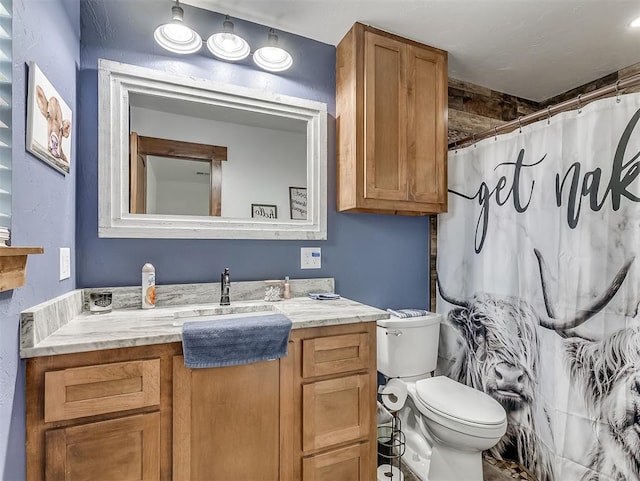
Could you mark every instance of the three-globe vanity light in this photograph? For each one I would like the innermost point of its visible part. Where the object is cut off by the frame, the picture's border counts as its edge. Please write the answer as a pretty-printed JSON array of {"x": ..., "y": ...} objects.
[{"x": 177, "y": 37}]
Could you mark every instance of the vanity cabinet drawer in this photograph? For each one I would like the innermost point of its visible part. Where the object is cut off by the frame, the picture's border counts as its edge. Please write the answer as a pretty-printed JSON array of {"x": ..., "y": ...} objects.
[
  {"x": 106, "y": 388},
  {"x": 125, "y": 449},
  {"x": 351, "y": 463},
  {"x": 335, "y": 354},
  {"x": 335, "y": 411}
]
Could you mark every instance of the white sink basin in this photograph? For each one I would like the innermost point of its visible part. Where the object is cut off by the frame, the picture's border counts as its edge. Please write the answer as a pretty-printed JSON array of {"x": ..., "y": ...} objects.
[{"x": 227, "y": 311}]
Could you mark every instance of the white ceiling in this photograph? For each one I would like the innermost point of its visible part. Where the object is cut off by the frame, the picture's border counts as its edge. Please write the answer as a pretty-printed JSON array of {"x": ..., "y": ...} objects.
[{"x": 534, "y": 49}]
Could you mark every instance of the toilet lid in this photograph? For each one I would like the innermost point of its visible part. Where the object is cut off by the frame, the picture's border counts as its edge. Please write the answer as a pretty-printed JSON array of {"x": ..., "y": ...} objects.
[{"x": 455, "y": 400}]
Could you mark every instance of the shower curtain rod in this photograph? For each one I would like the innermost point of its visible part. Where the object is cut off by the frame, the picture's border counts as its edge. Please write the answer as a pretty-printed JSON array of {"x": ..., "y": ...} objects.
[{"x": 580, "y": 101}]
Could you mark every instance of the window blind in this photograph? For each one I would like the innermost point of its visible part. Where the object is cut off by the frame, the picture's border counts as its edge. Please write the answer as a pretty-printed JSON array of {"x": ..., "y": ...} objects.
[{"x": 6, "y": 75}]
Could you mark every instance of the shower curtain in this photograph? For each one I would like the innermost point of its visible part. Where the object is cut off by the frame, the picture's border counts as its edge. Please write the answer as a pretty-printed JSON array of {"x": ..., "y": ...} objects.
[{"x": 539, "y": 285}]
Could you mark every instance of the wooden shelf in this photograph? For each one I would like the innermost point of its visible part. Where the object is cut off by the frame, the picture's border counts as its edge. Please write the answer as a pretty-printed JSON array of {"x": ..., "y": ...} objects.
[
  {"x": 19, "y": 251},
  {"x": 13, "y": 266}
]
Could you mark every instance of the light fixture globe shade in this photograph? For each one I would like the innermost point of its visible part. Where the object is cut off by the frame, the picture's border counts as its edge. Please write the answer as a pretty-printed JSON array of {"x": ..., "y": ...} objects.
[
  {"x": 176, "y": 36},
  {"x": 273, "y": 59},
  {"x": 228, "y": 46}
]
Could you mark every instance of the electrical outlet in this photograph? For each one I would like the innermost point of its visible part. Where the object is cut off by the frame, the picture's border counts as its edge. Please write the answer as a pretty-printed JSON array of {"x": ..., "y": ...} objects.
[
  {"x": 65, "y": 263},
  {"x": 310, "y": 258}
]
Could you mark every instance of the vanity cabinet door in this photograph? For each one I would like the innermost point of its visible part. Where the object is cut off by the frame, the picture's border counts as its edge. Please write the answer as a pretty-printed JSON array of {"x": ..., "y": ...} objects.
[
  {"x": 335, "y": 411},
  {"x": 124, "y": 449},
  {"x": 227, "y": 423},
  {"x": 323, "y": 356},
  {"x": 106, "y": 388}
]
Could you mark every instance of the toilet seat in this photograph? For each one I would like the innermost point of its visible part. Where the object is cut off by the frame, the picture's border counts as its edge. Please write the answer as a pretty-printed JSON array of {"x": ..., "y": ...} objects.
[{"x": 459, "y": 407}]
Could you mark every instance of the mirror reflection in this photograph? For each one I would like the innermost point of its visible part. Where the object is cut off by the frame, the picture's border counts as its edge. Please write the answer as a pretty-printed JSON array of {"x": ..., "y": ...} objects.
[{"x": 189, "y": 158}]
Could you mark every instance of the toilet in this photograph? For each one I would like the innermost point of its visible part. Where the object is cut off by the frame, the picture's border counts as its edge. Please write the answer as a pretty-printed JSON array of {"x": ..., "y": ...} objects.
[{"x": 446, "y": 424}]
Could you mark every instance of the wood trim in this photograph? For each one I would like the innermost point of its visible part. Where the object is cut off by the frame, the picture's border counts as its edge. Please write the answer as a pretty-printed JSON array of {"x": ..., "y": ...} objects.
[
  {"x": 215, "y": 188},
  {"x": 384, "y": 33},
  {"x": 13, "y": 266},
  {"x": 20, "y": 251},
  {"x": 178, "y": 149},
  {"x": 181, "y": 419},
  {"x": 134, "y": 190},
  {"x": 287, "y": 414}
]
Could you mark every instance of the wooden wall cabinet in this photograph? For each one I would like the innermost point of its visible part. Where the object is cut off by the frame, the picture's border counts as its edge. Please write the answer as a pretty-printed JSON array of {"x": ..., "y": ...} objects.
[
  {"x": 139, "y": 414},
  {"x": 391, "y": 102}
]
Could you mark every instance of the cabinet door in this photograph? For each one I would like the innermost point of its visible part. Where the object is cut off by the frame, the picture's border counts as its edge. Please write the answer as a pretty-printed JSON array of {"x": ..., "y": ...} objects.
[
  {"x": 385, "y": 160},
  {"x": 335, "y": 411},
  {"x": 226, "y": 422},
  {"x": 322, "y": 356},
  {"x": 125, "y": 449},
  {"x": 347, "y": 464},
  {"x": 427, "y": 125},
  {"x": 105, "y": 388}
]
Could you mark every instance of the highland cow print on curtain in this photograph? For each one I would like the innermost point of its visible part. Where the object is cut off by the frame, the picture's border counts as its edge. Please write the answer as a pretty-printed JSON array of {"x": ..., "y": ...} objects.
[{"x": 539, "y": 284}]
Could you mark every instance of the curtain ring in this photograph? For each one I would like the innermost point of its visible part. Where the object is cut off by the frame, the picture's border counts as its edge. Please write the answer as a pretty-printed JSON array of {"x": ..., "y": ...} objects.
[
  {"x": 520, "y": 124},
  {"x": 579, "y": 105},
  {"x": 455, "y": 146},
  {"x": 618, "y": 92},
  {"x": 495, "y": 132},
  {"x": 473, "y": 136},
  {"x": 548, "y": 114}
]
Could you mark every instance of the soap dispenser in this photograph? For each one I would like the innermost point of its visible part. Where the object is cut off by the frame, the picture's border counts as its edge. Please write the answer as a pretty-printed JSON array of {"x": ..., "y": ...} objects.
[{"x": 148, "y": 286}]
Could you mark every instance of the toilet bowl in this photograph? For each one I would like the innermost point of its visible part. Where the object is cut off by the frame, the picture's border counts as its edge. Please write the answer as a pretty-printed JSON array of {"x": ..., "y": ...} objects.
[
  {"x": 447, "y": 424},
  {"x": 461, "y": 422}
]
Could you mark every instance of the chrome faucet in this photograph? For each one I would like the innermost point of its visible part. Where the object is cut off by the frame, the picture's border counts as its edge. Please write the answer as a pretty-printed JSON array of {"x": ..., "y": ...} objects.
[{"x": 225, "y": 282}]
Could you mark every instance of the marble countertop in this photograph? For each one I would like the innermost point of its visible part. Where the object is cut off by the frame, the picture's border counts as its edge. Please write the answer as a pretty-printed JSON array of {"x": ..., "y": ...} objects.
[{"x": 85, "y": 331}]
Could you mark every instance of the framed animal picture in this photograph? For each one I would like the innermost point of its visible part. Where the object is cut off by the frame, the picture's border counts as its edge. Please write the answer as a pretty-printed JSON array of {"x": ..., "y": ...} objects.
[{"x": 49, "y": 121}]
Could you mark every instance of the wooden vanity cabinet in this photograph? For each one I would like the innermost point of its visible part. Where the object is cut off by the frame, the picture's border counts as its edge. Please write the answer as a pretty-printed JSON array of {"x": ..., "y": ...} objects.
[
  {"x": 391, "y": 103},
  {"x": 100, "y": 415},
  {"x": 139, "y": 414},
  {"x": 308, "y": 416},
  {"x": 334, "y": 384}
]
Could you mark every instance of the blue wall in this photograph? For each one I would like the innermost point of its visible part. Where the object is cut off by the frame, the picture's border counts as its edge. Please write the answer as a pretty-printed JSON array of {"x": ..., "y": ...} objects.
[
  {"x": 380, "y": 260},
  {"x": 46, "y": 32}
]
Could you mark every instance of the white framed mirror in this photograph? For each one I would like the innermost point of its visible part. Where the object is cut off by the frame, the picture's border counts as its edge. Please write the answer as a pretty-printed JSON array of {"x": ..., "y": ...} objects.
[{"x": 275, "y": 155}]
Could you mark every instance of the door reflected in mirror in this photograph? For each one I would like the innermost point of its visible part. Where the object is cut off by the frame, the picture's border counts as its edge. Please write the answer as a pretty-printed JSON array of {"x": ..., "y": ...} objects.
[{"x": 174, "y": 177}]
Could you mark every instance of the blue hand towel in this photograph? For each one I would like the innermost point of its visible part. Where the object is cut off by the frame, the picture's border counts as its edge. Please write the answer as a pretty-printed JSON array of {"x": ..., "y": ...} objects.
[{"x": 234, "y": 341}]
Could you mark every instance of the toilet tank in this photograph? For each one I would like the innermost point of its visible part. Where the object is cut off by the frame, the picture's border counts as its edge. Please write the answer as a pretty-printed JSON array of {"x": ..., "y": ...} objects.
[{"x": 408, "y": 347}]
